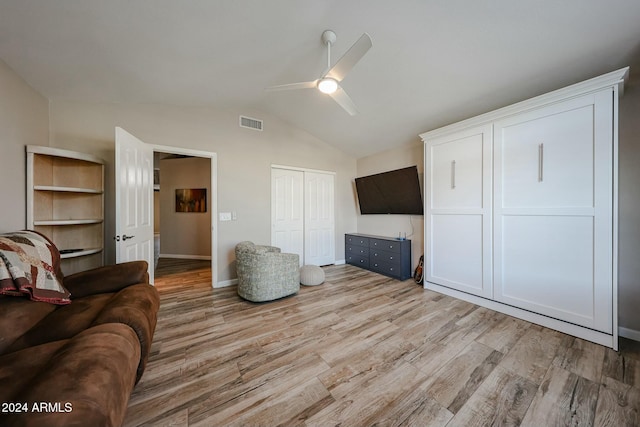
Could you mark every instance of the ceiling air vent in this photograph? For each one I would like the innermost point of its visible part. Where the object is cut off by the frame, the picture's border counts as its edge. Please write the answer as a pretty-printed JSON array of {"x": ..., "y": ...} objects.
[{"x": 249, "y": 123}]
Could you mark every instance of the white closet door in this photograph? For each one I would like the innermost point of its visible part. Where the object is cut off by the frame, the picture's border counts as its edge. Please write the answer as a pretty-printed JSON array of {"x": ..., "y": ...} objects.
[
  {"x": 458, "y": 211},
  {"x": 287, "y": 211},
  {"x": 319, "y": 219},
  {"x": 553, "y": 210}
]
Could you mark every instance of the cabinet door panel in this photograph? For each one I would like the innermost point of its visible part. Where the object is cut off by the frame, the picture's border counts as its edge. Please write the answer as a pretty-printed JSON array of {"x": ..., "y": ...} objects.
[
  {"x": 548, "y": 266},
  {"x": 456, "y": 168},
  {"x": 456, "y": 253},
  {"x": 546, "y": 158}
]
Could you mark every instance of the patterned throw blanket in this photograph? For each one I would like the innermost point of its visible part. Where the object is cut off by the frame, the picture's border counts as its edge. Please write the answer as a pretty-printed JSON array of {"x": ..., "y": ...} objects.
[{"x": 28, "y": 262}]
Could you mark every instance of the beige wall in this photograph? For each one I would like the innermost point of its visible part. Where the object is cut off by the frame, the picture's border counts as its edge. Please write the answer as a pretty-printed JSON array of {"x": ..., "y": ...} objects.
[
  {"x": 184, "y": 233},
  {"x": 24, "y": 120},
  {"x": 391, "y": 225},
  {"x": 244, "y": 161}
]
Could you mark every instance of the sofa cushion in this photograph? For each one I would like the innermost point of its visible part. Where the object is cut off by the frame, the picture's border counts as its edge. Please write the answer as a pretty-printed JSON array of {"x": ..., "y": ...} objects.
[
  {"x": 63, "y": 323},
  {"x": 90, "y": 377},
  {"x": 19, "y": 368},
  {"x": 30, "y": 265},
  {"x": 106, "y": 279},
  {"x": 136, "y": 306},
  {"x": 17, "y": 316}
]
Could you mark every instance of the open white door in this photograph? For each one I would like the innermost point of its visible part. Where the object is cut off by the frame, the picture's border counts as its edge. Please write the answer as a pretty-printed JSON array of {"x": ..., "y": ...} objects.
[{"x": 134, "y": 200}]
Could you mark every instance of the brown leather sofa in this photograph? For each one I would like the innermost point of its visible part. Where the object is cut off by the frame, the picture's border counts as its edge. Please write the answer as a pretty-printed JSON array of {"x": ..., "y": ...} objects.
[{"x": 76, "y": 364}]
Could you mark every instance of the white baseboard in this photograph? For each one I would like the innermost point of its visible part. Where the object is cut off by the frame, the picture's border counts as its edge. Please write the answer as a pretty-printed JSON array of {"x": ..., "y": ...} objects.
[
  {"x": 339, "y": 262},
  {"x": 178, "y": 256},
  {"x": 632, "y": 334},
  {"x": 226, "y": 283}
]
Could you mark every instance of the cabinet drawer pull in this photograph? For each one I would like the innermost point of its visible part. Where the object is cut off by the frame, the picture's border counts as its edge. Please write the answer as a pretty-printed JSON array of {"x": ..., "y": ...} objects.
[
  {"x": 453, "y": 174},
  {"x": 540, "y": 162}
]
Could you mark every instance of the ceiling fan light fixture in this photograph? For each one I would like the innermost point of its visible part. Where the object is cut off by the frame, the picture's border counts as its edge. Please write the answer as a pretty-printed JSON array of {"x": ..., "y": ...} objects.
[{"x": 327, "y": 85}]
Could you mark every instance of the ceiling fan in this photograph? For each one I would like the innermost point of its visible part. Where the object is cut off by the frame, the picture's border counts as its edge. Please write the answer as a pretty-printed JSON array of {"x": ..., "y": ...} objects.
[{"x": 329, "y": 81}]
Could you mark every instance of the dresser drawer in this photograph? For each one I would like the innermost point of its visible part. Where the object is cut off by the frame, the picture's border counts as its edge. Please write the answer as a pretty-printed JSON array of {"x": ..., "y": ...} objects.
[
  {"x": 388, "y": 268},
  {"x": 385, "y": 256},
  {"x": 356, "y": 240},
  {"x": 358, "y": 260},
  {"x": 356, "y": 250},
  {"x": 385, "y": 245}
]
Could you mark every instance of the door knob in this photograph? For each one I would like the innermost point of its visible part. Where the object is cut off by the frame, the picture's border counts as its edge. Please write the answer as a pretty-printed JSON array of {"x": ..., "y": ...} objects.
[{"x": 125, "y": 237}]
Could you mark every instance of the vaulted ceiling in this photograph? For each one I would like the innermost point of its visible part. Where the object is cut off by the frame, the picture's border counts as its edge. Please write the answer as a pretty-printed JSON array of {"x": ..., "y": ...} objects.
[{"x": 433, "y": 62}]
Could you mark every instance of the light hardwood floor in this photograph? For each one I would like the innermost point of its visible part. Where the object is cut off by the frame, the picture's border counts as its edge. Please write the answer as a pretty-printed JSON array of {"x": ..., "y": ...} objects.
[{"x": 362, "y": 350}]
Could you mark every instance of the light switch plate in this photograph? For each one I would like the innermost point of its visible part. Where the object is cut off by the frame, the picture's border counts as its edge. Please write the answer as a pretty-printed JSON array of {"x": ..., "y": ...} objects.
[{"x": 225, "y": 216}]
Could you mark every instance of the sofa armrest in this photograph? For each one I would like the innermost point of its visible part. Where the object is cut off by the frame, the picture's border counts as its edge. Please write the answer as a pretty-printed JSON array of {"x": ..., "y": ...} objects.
[
  {"x": 110, "y": 278},
  {"x": 90, "y": 377},
  {"x": 137, "y": 307}
]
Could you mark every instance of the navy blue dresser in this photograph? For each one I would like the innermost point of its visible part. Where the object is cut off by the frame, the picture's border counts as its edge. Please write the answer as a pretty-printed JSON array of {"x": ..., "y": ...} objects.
[{"x": 384, "y": 255}]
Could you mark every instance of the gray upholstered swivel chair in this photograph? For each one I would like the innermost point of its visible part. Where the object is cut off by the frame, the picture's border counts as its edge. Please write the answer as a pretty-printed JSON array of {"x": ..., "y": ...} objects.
[{"x": 264, "y": 273}]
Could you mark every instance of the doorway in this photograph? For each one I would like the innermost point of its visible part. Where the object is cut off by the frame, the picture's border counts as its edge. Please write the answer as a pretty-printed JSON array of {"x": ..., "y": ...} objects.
[
  {"x": 134, "y": 199},
  {"x": 184, "y": 237}
]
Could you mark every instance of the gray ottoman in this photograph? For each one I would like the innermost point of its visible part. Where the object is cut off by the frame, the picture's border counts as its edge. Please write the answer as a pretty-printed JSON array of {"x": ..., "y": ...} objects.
[{"x": 311, "y": 275}]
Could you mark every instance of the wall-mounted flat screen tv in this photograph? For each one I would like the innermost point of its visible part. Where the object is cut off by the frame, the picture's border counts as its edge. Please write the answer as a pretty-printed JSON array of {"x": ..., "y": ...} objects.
[{"x": 393, "y": 192}]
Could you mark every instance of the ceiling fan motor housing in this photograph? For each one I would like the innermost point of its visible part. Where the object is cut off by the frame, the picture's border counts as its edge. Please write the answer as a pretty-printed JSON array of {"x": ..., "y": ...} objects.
[{"x": 328, "y": 37}]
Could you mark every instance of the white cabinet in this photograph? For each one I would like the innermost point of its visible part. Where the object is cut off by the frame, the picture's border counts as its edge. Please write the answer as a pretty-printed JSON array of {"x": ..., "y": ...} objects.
[{"x": 521, "y": 211}]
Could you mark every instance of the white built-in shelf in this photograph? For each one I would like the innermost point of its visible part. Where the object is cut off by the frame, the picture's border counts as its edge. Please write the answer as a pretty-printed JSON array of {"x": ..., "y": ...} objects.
[
  {"x": 67, "y": 221},
  {"x": 83, "y": 252},
  {"x": 65, "y": 202},
  {"x": 66, "y": 189}
]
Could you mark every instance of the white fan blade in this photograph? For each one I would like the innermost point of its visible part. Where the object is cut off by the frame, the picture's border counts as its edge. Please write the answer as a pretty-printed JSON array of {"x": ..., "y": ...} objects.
[
  {"x": 341, "y": 97},
  {"x": 293, "y": 86},
  {"x": 351, "y": 58}
]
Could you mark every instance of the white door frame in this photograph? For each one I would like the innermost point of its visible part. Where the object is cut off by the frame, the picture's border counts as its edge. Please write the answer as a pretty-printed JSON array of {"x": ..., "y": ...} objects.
[{"x": 214, "y": 198}]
